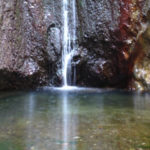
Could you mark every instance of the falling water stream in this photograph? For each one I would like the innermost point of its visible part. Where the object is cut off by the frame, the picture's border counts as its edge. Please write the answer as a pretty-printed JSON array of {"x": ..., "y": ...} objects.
[{"x": 69, "y": 38}]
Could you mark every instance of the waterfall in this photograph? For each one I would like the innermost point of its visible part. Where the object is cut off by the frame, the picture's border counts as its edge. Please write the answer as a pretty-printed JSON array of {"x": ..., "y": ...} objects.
[{"x": 68, "y": 40}]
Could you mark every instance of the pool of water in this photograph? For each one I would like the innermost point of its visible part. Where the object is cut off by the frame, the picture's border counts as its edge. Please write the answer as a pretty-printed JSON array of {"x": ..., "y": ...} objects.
[{"x": 74, "y": 120}]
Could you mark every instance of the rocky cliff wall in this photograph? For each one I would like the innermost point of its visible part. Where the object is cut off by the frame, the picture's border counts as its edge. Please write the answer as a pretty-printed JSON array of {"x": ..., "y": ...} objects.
[
  {"x": 108, "y": 33},
  {"x": 23, "y": 57}
]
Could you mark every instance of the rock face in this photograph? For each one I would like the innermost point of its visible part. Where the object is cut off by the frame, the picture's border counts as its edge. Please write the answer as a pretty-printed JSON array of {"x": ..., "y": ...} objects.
[
  {"x": 23, "y": 57},
  {"x": 107, "y": 30},
  {"x": 141, "y": 60}
]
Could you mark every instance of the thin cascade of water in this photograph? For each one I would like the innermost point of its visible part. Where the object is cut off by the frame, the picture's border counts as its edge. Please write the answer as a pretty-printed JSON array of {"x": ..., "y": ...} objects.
[{"x": 69, "y": 39}]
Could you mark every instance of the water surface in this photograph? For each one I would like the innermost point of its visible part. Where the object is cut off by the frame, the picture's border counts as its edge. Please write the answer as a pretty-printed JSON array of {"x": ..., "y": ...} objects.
[{"x": 74, "y": 120}]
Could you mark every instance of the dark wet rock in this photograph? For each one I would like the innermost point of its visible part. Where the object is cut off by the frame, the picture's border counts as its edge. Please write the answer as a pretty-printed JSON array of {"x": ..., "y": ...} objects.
[
  {"x": 54, "y": 53},
  {"x": 30, "y": 49},
  {"x": 107, "y": 30},
  {"x": 53, "y": 20},
  {"x": 96, "y": 71},
  {"x": 23, "y": 57}
]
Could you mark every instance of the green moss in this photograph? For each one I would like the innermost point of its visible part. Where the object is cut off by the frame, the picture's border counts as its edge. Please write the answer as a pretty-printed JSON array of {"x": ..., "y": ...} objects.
[
  {"x": 8, "y": 145},
  {"x": 144, "y": 147}
]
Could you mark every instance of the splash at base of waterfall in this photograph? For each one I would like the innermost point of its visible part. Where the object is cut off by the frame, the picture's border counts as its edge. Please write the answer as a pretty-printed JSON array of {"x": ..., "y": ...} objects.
[{"x": 68, "y": 88}]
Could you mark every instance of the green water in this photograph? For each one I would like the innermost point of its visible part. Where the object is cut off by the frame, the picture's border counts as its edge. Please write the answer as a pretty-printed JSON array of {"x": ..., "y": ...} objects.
[{"x": 79, "y": 120}]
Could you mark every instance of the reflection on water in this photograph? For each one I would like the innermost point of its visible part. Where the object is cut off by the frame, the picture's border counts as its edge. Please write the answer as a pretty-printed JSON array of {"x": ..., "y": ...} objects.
[
  {"x": 69, "y": 124},
  {"x": 66, "y": 119},
  {"x": 79, "y": 120}
]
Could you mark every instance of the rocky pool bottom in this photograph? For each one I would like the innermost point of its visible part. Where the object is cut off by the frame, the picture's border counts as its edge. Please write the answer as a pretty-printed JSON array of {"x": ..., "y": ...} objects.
[{"x": 74, "y": 120}]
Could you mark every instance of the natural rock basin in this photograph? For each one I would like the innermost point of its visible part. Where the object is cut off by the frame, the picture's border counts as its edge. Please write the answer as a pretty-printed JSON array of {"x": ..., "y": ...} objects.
[{"x": 74, "y": 120}]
